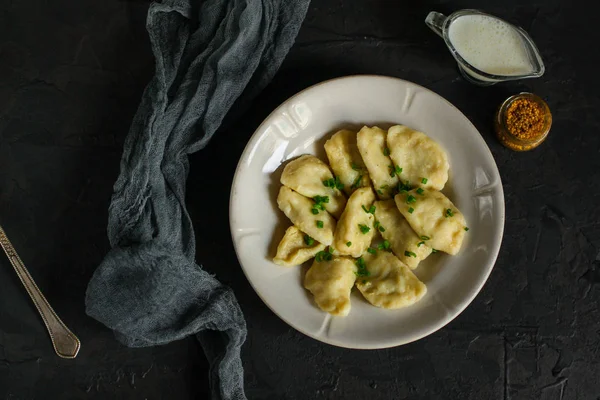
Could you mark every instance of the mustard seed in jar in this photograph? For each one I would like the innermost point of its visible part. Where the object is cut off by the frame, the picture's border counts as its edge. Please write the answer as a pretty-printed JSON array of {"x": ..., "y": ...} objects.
[{"x": 523, "y": 121}]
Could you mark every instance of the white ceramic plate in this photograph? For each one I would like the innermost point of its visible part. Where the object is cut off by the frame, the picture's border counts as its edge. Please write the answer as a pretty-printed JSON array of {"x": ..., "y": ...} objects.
[{"x": 301, "y": 125}]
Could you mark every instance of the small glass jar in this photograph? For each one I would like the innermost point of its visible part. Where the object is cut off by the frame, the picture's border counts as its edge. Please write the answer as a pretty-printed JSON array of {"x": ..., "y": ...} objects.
[{"x": 514, "y": 141}]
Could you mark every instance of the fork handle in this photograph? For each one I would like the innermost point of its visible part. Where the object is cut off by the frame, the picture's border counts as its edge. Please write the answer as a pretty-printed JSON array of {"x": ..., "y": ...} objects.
[{"x": 65, "y": 343}]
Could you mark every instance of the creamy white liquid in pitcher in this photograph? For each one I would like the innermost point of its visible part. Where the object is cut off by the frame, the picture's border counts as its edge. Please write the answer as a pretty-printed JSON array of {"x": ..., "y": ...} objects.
[{"x": 490, "y": 45}]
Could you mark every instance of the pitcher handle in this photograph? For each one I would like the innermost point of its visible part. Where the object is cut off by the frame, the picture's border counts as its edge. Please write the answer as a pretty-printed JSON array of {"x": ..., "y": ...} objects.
[{"x": 435, "y": 21}]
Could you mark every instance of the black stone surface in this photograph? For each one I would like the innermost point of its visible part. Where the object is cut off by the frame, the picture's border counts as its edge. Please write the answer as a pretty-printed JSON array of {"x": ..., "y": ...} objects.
[{"x": 71, "y": 75}]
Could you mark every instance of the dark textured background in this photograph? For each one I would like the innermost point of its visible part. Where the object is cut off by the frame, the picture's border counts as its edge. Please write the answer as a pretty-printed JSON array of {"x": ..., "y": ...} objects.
[{"x": 71, "y": 75}]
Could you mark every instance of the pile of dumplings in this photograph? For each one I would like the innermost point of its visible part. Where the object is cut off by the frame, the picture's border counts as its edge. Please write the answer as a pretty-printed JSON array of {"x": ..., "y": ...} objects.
[{"x": 372, "y": 220}]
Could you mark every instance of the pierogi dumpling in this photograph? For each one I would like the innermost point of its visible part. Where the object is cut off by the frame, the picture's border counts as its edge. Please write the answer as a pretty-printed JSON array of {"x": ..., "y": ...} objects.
[
  {"x": 296, "y": 248},
  {"x": 331, "y": 282},
  {"x": 433, "y": 215},
  {"x": 404, "y": 242},
  {"x": 372, "y": 145},
  {"x": 298, "y": 209},
  {"x": 346, "y": 162},
  {"x": 354, "y": 230},
  {"x": 306, "y": 175},
  {"x": 390, "y": 284},
  {"x": 423, "y": 161}
]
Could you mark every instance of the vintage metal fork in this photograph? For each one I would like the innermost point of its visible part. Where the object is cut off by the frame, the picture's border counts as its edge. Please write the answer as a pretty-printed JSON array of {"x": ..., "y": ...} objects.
[{"x": 65, "y": 343}]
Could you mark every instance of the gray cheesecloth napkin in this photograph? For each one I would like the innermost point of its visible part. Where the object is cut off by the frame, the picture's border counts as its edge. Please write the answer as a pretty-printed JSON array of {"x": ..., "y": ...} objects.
[{"x": 149, "y": 289}]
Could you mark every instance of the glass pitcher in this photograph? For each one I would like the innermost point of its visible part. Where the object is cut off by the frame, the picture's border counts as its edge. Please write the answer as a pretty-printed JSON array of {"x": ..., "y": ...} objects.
[{"x": 469, "y": 37}]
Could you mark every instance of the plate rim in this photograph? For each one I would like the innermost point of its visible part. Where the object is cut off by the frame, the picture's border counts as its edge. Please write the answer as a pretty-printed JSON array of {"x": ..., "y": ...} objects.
[{"x": 442, "y": 322}]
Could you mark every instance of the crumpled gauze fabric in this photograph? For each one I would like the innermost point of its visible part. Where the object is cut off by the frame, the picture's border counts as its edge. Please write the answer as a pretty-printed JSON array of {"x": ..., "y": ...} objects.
[{"x": 149, "y": 289}]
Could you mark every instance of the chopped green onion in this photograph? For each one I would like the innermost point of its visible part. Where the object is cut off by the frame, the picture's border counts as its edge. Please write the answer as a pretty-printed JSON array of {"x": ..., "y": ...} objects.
[
  {"x": 449, "y": 213},
  {"x": 425, "y": 237},
  {"x": 420, "y": 243},
  {"x": 410, "y": 254},
  {"x": 321, "y": 199},
  {"x": 308, "y": 240},
  {"x": 385, "y": 245},
  {"x": 381, "y": 228},
  {"x": 348, "y": 244},
  {"x": 434, "y": 251},
  {"x": 392, "y": 171},
  {"x": 364, "y": 228},
  {"x": 411, "y": 199},
  {"x": 362, "y": 268},
  {"x": 333, "y": 183},
  {"x": 411, "y": 210},
  {"x": 371, "y": 250},
  {"x": 386, "y": 152},
  {"x": 330, "y": 249},
  {"x": 398, "y": 170},
  {"x": 420, "y": 191},
  {"x": 355, "y": 167},
  {"x": 403, "y": 187},
  {"x": 323, "y": 256},
  {"x": 320, "y": 224},
  {"x": 380, "y": 192},
  {"x": 314, "y": 210},
  {"x": 466, "y": 229},
  {"x": 356, "y": 183},
  {"x": 376, "y": 224},
  {"x": 424, "y": 181},
  {"x": 371, "y": 209}
]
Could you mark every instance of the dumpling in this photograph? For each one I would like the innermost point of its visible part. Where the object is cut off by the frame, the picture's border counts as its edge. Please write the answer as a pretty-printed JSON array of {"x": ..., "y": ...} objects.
[
  {"x": 298, "y": 209},
  {"x": 354, "y": 230},
  {"x": 346, "y": 162},
  {"x": 306, "y": 175},
  {"x": 404, "y": 242},
  {"x": 330, "y": 282},
  {"x": 372, "y": 146},
  {"x": 390, "y": 283},
  {"x": 296, "y": 248},
  {"x": 423, "y": 161},
  {"x": 433, "y": 215}
]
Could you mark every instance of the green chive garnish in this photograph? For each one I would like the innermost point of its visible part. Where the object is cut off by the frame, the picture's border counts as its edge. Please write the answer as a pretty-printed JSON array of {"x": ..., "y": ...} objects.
[
  {"x": 434, "y": 251},
  {"x": 392, "y": 171},
  {"x": 308, "y": 240},
  {"x": 348, "y": 244},
  {"x": 362, "y": 268},
  {"x": 323, "y": 256},
  {"x": 381, "y": 228},
  {"x": 466, "y": 229},
  {"x": 420, "y": 243},
  {"x": 355, "y": 167},
  {"x": 411, "y": 210},
  {"x": 425, "y": 237},
  {"x": 371, "y": 250},
  {"x": 314, "y": 210},
  {"x": 320, "y": 224},
  {"x": 424, "y": 181},
  {"x": 410, "y": 254},
  {"x": 321, "y": 199},
  {"x": 398, "y": 170},
  {"x": 386, "y": 152},
  {"x": 356, "y": 183},
  {"x": 385, "y": 245},
  {"x": 380, "y": 192},
  {"x": 449, "y": 213},
  {"x": 420, "y": 191},
  {"x": 364, "y": 228},
  {"x": 411, "y": 199}
]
